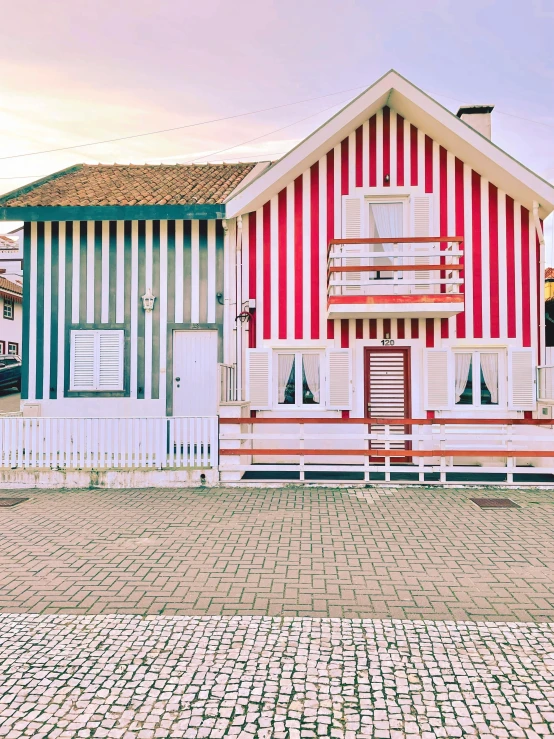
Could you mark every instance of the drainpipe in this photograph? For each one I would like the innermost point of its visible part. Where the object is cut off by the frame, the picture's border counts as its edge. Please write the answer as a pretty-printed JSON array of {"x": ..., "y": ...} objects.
[
  {"x": 542, "y": 322},
  {"x": 238, "y": 305}
]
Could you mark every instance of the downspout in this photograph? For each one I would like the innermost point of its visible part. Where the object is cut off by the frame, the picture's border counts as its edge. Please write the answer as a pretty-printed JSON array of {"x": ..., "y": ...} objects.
[
  {"x": 542, "y": 321},
  {"x": 238, "y": 306}
]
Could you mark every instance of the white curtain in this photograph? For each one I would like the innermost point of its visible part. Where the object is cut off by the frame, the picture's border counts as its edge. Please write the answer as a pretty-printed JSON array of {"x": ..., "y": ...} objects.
[
  {"x": 311, "y": 372},
  {"x": 463, "y": 363},
  {"x": 284, "y": 369},
  {"x": 388, "y": 219},
  {"x": 489, "y": 366}
]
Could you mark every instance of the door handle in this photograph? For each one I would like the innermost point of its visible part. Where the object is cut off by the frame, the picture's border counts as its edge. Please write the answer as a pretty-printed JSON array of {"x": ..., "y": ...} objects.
[{"x": 177, "y": 379}]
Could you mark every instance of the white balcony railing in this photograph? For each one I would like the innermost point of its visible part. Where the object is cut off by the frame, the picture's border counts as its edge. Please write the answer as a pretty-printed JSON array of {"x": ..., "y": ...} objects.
[{"x": 545, "y": 384}]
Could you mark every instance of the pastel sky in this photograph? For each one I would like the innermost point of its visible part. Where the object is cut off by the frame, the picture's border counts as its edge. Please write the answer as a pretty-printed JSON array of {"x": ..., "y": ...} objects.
[{"x": 76, "y": 72}]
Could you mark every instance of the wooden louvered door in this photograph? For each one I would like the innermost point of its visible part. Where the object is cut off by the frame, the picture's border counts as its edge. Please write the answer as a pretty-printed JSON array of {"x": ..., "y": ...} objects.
[{"x": 387, "y": 391}]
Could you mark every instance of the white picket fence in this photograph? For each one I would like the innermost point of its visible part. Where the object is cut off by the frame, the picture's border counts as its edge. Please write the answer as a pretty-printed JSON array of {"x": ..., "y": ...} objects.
[{"x": 116, "y": 443}]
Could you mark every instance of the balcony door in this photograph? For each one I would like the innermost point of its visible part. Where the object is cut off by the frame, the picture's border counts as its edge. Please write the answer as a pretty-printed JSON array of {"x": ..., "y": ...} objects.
[{"x": 387, "y": 391}]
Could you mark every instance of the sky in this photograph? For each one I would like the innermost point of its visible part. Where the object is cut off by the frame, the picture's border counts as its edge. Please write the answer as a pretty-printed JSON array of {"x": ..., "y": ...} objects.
[{"x": 76, "y": 72}]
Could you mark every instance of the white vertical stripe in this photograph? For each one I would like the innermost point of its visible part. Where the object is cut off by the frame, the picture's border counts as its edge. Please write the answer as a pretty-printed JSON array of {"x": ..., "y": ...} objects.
[
  {"x": 291, "y": 297},
  {"x": 351, "y": 163},
  {"x": 421, "y": 160},
  {"x": 211, "y": 271},
  {"x": 437, "y": 331},
  {"x": 337, "y": 194},
  {"x": 451, "y": 220},
  {"x": 365, "y": 328},
  {"x": 365, "y": 154},
  {"x": 518, "y": 280},
  {"x": 337, "y": 334},
  {"x": 274, "y": 266},
  {"x": 47, "y": 309},
  {"x": 323, "y": 247},
  {"x": 245, "y": 251},
  {"x": 485, "y": 259},
  {"x": 76, "y": 267},
  {"x": 134, "y": 308},
  {"x": 306, "y": 261},
  {"x": 179, "y": 271},
  {"x": 393, "y": 150},
  {"x": 407, "y": 160},
  {"x": 163, "y": 308},
  {"x": 148, "y": 316},
  {"x": 379, "y": 134},
  {"x": 61, "y": 308},
  {"x": 120, "y": 278},
  {"x": 534, "y": 286},
  {"x": 32, "y": 360},
  {"x": 195, "y": 271},
  {"x": 105, "y": 299},
  {"x": 260, "y": 302},
  {"x": 436, "y": 212},
  {"x": 468, "y": 248},
  {"x": 90, "y": 272},
  {"x": 502, "y": 266}
]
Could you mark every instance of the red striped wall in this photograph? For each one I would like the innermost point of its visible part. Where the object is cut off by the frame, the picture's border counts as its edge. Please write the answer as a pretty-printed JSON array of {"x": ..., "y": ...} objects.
[{"x": 500, "y": 269}]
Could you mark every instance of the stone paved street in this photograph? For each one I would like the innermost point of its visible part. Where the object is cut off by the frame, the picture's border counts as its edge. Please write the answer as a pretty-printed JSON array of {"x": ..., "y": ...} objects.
[{"x": 396, "y": 552}]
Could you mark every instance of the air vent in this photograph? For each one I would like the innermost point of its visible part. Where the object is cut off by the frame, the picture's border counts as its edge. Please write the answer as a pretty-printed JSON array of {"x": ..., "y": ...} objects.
[{"x": 494, "y": 503}]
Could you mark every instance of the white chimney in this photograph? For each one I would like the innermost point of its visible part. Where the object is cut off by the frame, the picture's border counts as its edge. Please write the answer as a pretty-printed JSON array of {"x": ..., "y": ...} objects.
[{"x": 478, "y": 117}]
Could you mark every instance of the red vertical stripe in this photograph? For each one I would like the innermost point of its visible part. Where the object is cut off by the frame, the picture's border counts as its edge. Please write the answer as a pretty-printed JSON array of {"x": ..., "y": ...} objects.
[
  {"x": 298, "y": 264},
  {"x": 401, "y": 328},
  {"x": 252, "y": 276},
  {"x": 314, "y": 249},
  {"x": 344, "y": 333},
  {"x": 372, "y": 328},
  {"x": 413, "y": 156},
  {"x": 460, "y": 231},
  {"x": 373, "y": 151},
  {"x": 330, "y": 329},
  {"x": 359, "y": 156},
  {"x": 539, "y": 291},
  {"x": 386, "y": 146},
  {"x": 414, "y": 328},
  {"x": 282, "y": 247},
  {"x": 493, "y": 261},
  {"x": 387, "y": 328},
  {"x": 525, "y": 279},
  {"x": 330, "y": 195},
  {"x": 510, "y": 268},
  {"x": 429, "y": 332},
  {"x": 267, "y": 270},
  {"x": 477, "y": 270},
  {"x": 399, "y": 151},
  {"x": 344, "y": 167},
  {"x": 359, "y": 328},
  {"x": 428, "y": 164}
]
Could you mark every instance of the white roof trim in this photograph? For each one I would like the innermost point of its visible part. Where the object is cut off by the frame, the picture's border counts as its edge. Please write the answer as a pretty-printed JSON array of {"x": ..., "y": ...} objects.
[{"x": 436, "y": 121}]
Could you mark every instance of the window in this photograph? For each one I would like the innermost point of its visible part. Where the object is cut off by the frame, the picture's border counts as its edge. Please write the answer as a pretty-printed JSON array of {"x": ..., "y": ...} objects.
[
  {"x": 2, "y": 347},
  {"x": 476, "y": 378},
  {"x": 13, "y": 348},
  {"x": 386, "y": 220},
  {"x": 298, "y": 379},
  {"x": 97, "y": 360},
  {"x": 8, "y": 308}
]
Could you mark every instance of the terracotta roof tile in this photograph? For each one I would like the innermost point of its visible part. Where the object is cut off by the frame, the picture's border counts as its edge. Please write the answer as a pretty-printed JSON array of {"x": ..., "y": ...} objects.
[
  {"x": 11, "y": 286},
  {"x": 134, "y": 184},
  {"x": 549, "y": 273}
]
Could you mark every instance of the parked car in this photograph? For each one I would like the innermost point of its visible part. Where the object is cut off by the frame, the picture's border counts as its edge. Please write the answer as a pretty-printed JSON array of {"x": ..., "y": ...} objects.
[{"x": 10, "y": 371}]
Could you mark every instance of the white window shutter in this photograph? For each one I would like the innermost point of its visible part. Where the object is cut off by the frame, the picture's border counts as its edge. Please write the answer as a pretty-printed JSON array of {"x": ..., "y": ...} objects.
[
  {"x": 83, "y": 360},
  {"x": 421, "y": 226},
  {"x": 110, "y": 360},
  {"x": 521, "y": 380},
  {"x": 258, "y": 373},
  {"x": 438, "y": 379},
  {"x": 352, "y": 229},
  {"x": 339, "y": 379}
]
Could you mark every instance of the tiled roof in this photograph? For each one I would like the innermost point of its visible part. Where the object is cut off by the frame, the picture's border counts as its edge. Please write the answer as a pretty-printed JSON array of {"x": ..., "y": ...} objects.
[
  {"x": 133, "y": 184},
  {"x": 13, "y": 287},
  {"x": 549, "y": 274}
]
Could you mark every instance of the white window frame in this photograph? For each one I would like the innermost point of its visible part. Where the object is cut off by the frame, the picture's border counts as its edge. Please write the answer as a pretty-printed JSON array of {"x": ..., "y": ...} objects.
[
  {"x": 95, "y": 387},
  {"x": 16, "y": 352},
  {"x": 476, "y": 378},
  {"x": 298, "y": 380},
  {"x": 9, "y": 307}
]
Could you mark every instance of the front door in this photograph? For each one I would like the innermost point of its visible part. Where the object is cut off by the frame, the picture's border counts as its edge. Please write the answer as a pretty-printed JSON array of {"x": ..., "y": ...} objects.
[
  {"x": 194, "y": 373},
  {"x": 387, "y": 391}
]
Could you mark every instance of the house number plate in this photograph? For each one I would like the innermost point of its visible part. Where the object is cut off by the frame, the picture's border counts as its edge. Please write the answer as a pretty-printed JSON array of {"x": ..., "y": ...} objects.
[{"x": 387, "y": 342}]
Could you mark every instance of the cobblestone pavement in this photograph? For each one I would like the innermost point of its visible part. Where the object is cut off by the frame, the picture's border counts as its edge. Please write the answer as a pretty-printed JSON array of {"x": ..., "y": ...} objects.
[
  {"x": 132, "y": 677},
  {"x": 353, "y": 552}
]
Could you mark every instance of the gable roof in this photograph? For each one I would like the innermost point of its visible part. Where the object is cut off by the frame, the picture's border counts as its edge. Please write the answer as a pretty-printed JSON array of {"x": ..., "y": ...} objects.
[
  {"x": 422, "y": 111},
  {"x": 10, "y": 289}
]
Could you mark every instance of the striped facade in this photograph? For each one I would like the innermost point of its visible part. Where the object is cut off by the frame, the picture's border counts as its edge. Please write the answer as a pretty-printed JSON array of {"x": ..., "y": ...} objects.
[
  {"x": 285, "y": 243},
  {"x": 92, "y": 274}
]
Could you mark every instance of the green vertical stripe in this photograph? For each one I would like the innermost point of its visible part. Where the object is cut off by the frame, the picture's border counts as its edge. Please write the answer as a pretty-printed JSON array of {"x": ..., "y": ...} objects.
[
  {"x": 156, "y": 313},
  {"x": 170, "y": 272},
  {"x": 39, "y": 318},
  {"x": 140, "y": 321},
  {"x": 98, "y": 287},
  {"x": 112, "y": 277},
  {"x": 186, "y": 270},
  {"x": 26, "y": 307},
  {"x": 219, "y": 285},
  {"x": 54, "y": 261},
  {"x": 83, "y": 287},
  {"x": 203, "y": 271},
  {"x": 68, "y": 302}
]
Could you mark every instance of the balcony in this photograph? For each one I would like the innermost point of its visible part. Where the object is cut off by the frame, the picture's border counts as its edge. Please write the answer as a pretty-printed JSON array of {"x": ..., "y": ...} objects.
[{"x": 401, "y": 277}]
